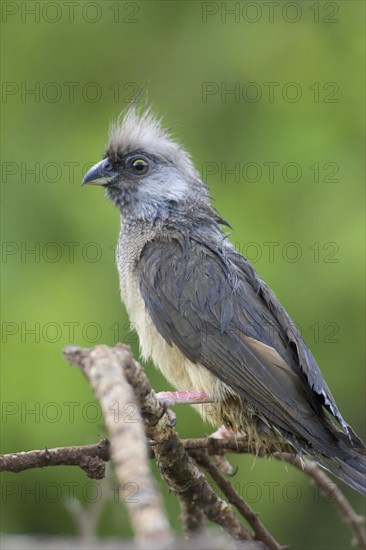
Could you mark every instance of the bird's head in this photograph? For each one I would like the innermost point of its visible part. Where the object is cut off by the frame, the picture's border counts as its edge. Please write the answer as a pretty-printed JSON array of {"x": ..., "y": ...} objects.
[{"x": 146, "y": 173}]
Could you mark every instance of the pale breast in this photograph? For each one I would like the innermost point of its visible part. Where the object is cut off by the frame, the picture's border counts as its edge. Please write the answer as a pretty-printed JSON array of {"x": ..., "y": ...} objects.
[{"x": 177, "y": 369}]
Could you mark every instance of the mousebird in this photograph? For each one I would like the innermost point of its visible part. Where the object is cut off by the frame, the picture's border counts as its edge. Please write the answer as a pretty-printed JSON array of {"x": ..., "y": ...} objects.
[{"x": 204, "y": 316}]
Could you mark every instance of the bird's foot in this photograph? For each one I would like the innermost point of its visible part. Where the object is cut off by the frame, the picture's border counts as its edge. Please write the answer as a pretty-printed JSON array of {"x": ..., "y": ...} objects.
[
  {"x": 170, "y": 398},
  {"x": 224, "y": 466},
  {"x": 169, "y": 414},
  {"x": 172, "y": 418},
  {"x": 223, "y": 433},
  {"x": 221, "y": 461}
]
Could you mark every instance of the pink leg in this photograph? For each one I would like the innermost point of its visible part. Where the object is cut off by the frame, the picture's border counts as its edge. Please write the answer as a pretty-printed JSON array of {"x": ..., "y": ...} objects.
[
  {"x": 170, "y": 398},
  {"x": 223, "y": 433}
]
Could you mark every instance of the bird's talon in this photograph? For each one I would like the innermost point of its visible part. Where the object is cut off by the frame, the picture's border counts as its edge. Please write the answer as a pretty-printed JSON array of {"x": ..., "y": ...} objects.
[
  {"x": 172, "y": 418},
  {"x": 166, "y": 403},
  {"x": 234, "y": 471},
  {"x": 224, "y": 466}
]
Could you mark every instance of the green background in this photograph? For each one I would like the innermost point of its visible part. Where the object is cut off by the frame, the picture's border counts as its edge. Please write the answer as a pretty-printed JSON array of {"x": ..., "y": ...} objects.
[{"x": 313, "y": 54}]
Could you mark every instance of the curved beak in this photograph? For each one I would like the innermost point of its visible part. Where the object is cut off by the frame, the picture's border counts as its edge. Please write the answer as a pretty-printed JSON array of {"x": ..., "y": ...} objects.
[{"x": 98, "y": 175}]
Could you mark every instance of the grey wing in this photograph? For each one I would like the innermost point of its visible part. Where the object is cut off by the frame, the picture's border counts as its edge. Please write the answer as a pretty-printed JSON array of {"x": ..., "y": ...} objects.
[
  {"x": 206, "y": 305},
  {"x": 303, "y": 355}
]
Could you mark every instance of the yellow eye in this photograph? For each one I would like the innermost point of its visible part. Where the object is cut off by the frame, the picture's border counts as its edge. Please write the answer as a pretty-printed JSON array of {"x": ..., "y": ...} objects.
[{"x": 140, "y": 167}]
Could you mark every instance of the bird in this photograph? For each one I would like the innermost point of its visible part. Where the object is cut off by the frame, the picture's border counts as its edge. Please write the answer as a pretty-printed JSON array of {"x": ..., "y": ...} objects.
[{"x": 203, "y": 315}]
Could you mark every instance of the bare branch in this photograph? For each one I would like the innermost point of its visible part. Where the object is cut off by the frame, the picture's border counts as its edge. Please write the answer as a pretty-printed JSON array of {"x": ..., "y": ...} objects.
[
  {"x": 216, "y": 541},
  {"x": 193, "y": 518},
  {"x": 215, "y": 446},
  {"x": 175, "y": 465},
  {"x": 261, "y": 533},
  {"x": 128, "y": 448},
  {"x": 187, "y": 481},
  {"x": 91, "y": 458},
  {"x": 324, "y": 482},
  {"x": 121, "y": 384}
]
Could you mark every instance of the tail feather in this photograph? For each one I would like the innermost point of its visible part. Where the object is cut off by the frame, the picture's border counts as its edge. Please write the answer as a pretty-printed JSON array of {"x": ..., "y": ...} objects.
[
  {"x": 347, "y": 460},
  {"x": 348, "y": 473}
]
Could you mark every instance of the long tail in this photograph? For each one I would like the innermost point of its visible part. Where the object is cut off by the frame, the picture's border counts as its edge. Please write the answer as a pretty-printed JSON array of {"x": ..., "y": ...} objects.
[{"x": 346, "y": 459}]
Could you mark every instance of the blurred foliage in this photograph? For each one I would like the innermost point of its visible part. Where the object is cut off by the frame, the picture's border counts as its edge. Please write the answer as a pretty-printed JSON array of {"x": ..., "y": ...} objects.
[{"x": 188, "y": 55}]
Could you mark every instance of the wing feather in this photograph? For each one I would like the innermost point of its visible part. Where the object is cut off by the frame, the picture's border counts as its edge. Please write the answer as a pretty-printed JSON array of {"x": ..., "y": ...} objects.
[{"x": 217, "y": 311}]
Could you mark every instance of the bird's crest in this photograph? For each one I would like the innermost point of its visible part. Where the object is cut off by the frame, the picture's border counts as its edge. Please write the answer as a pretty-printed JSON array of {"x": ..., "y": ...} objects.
[{"x": 138, "y": 129}]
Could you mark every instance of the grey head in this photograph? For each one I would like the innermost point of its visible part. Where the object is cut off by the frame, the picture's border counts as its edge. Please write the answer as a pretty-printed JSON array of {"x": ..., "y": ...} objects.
[{"x": 148, "y": 175}]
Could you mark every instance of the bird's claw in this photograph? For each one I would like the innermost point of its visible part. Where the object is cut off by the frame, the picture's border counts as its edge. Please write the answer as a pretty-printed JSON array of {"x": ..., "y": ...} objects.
[
  {"x": 169, "y": 398},
  {"x": 221, "y": 461},
  {"x": 171, "y": 416},
  {"x": 224, "y": 466}
]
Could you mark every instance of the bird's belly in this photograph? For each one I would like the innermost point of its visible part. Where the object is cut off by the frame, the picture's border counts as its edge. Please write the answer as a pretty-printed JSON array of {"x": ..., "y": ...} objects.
[{"x": 176, "y": 368}]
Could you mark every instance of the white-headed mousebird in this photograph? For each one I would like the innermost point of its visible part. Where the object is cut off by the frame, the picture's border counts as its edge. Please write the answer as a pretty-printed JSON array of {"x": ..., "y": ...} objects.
[{"x": 202, "y": 313}]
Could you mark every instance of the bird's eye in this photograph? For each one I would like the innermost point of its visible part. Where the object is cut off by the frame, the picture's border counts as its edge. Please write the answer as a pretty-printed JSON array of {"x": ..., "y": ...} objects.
[
  {"x": 140, "y": 166},
  {"x": 107, "y": 165}
]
